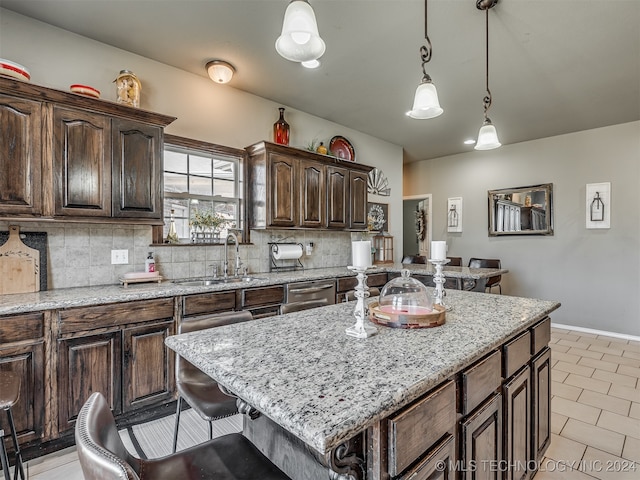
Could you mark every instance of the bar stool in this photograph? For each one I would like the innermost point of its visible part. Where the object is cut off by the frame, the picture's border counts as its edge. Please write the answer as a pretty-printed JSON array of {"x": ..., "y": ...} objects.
[{"x": 9, "y": 394}]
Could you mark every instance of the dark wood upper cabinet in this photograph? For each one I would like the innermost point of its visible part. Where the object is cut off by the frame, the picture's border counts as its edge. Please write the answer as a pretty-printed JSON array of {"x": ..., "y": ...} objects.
[
  {"x": 82, "y": 163},
  {"x": 294, "y": 188},
  {"x": 337, "y": 197},
  {"x": 20, "y": 156},
  {"x": 137, "y": 169},
  {"x": 64, "y": 155},
  {"x": 358, "y": 198},
  {"x": 312, "y": 194}
]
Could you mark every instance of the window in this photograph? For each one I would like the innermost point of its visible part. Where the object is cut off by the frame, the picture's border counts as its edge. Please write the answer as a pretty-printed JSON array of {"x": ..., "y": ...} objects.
[{"x": 201, "y": 177}]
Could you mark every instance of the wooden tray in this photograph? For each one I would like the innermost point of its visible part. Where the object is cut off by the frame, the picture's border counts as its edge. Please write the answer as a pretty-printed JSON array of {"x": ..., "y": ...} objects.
[
  {"x": 127, "y": 281},
  {"x": 407, "y": 320}
]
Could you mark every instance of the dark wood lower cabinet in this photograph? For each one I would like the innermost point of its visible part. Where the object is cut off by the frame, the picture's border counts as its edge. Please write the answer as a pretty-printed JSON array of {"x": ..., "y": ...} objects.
[
  {"x": 438, "y": 465},
  {"x": 85, "y": 365},
  {"x": 148, "y": 375},
  {"x": 517, "y": 425},
  {"x": 481, "y": 442},
  {"x": 541, "y": 404}
]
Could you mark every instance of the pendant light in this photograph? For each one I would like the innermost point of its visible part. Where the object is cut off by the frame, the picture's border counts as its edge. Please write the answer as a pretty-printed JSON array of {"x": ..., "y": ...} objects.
[
  {"x": 487, "y": 136},
  {"x": 425, "y": 101},
  {"x": 300, "y": 40}
]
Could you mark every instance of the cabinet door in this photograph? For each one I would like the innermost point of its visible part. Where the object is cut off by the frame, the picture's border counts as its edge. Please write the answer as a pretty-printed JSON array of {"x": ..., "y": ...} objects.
[
  {"x": 358, "y": 200},
  {"x": 86, "y": 365},
  {"x": 81, "y": 163},
  {"x": 20, "y": 156},
  {"x": 282, "y": 198},
  {"x": 27, "y": 362},
  {"x": 337, "y": 197},
  {"x": 481, "y": 442},
  {"x": 148, "y": 375},
  {"x": 312, "y": 194},
  {"x": 541, "y": 404},
  {"x": 517, "y": 421},
  {"x": 137, "y": 170},
  {"x": 431, "y": 467}
]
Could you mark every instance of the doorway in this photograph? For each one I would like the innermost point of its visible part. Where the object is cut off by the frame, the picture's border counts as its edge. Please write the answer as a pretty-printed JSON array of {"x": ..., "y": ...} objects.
[{"x": 416, "y": 225}]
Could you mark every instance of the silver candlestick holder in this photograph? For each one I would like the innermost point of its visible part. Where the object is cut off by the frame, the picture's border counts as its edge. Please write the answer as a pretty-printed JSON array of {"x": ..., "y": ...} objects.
[
  {"x": 360, "y": 329},
  {"x": 438, "y": 279}
]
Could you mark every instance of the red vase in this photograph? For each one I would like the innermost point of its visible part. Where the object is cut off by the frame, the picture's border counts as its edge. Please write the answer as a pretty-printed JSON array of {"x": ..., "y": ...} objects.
[{"x": 281, "y": 130}]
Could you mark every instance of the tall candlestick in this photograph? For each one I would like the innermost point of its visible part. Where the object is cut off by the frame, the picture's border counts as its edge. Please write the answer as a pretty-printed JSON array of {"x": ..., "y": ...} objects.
[
  {"x": 438, "y": 250},
  {"x": 361, "y": 253}
]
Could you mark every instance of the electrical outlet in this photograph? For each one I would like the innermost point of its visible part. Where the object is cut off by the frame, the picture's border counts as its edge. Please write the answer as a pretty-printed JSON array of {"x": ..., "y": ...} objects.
[{"x": 119, "y": 257}]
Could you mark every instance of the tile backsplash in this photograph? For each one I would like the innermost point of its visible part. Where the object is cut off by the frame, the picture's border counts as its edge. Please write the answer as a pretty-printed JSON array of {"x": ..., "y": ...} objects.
[{"x": 80, "y": 255}]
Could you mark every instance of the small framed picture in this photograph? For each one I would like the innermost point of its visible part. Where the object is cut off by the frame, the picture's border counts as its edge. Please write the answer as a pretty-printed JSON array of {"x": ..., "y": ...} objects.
[
  {"x": 378, "y": 217},
  {"x": 454, "y": 214}
]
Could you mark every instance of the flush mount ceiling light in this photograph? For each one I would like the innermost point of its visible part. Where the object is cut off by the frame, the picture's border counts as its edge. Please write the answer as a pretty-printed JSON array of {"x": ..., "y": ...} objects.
[
  {"x": 425, "y": 101},
  {"x": 487, "y": 136},
  {"x": 220, "y": 71},
  {"x": 300, "y": 40}
]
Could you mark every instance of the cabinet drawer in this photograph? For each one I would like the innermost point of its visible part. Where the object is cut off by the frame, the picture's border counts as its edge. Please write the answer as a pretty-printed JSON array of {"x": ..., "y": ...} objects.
[
  {"x": 254, "y": 297},
  {"x": 349, "y": 283},
  {"x": 479, "y": 381},
  {"x": 77, "y": 319},
  {"x": 209, "y": 303},
  {"x": 430, "y": 468},
  {"x": 515, "y": 354},
  {"x": 415, "y": 429},
  {"x": 21, "y": 327},
  {"x": 540, "y": 336}
]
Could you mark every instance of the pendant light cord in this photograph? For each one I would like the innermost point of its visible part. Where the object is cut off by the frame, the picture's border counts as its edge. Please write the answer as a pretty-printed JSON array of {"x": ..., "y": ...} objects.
[
  {"x": 487, "y": 99},
  {"x": 425, "y": 50}
]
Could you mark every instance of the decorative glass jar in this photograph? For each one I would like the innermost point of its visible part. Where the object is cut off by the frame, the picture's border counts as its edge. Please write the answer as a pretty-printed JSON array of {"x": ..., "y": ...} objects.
[{"x": 128, "y": 88}]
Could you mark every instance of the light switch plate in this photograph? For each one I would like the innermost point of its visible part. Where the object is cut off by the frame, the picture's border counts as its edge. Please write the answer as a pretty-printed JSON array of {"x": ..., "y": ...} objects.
[{"x": 119, "y": 257}]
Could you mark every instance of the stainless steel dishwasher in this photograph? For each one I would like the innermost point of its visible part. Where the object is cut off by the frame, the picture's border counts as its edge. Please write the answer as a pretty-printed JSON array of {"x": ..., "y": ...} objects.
[{"x": 304, "y": 295}]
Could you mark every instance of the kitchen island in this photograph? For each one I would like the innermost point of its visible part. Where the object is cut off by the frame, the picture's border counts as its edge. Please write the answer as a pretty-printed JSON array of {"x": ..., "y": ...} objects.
[{"x": 334, "y": 406}]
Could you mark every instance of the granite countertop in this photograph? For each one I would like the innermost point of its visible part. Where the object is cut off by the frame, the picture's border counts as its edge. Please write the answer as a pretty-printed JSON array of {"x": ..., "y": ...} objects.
[
  {"x": 104, "y": 294},
  {"x": 307, "y": 375}
]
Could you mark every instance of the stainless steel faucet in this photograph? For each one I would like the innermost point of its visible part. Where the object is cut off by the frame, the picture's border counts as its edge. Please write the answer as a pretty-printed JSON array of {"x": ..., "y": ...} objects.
[{"x": 226, "y": 261}]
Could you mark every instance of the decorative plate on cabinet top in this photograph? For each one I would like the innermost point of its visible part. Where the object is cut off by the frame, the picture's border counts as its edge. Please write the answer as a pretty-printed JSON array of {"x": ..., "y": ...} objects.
[
  {"x": 85, "y": 90},
  {"x": 14, "y": 70},
  {"x": 341, "y": 147}
]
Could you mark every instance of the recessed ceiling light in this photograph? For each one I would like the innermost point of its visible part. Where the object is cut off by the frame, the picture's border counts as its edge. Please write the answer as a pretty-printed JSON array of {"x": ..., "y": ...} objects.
[{"x": 469, "y": 141}]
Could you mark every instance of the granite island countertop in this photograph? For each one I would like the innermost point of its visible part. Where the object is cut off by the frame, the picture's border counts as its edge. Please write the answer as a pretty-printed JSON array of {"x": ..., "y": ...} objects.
[
  {"x": 303, "y": 372},
  {"x": 105, "y": 294}
]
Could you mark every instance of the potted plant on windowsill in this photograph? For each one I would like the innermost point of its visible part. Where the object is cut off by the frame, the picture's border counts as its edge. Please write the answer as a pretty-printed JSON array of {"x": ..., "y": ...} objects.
[{"x": 206, "y": 226}]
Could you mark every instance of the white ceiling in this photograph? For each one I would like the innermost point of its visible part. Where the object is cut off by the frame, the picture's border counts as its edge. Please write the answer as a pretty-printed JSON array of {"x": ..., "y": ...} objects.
[{"x": 556, "y": 66}]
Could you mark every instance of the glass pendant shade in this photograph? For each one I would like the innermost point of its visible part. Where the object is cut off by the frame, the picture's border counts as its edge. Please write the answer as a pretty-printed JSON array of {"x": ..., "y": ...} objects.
[
  {"x": 300, "y": 40},
  {"x": 425, "y": 103},
  {"x": 487, "y": 137}
]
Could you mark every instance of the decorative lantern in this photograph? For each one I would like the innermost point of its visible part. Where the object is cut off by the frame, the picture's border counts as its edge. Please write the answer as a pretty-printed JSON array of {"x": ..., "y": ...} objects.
[{"x": 383, "y": 249}]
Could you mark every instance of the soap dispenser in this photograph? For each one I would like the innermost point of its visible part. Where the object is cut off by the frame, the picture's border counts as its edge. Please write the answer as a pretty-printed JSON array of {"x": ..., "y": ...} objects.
[{"x": 150, "y": 263}]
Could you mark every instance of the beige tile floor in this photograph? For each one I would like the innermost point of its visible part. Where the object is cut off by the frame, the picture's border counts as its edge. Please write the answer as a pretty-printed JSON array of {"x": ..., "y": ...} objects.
[{"x": 595, "y": 418}]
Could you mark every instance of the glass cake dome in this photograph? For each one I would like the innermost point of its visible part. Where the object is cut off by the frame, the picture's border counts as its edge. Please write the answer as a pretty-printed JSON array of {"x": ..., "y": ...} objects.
[{"x": 405, "y": 295}]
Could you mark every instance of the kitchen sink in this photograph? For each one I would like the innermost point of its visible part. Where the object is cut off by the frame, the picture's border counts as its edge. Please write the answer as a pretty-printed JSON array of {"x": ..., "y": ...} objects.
[{"x": 215, "y": 281}]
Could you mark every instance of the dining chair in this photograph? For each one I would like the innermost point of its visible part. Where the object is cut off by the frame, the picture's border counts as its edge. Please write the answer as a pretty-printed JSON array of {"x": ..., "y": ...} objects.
[
  {"x": 454, "y": 262},
  {"x": 103, "y": 456},
  {"x": 197, "y": 388},
  {"x": 488, "y": 263},
  {"x": 414, "y": 259}
]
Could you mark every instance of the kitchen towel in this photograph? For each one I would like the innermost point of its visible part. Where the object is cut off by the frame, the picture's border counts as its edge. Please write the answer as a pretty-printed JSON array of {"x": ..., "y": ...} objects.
[{"x": 287, "y": 252}]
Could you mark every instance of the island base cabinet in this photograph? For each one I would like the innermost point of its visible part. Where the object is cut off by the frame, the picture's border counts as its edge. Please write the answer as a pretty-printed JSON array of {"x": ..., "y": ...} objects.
[
  {"x": 517, "y": 426},
  {"x": 481, "y": 442},
  {"x": 541, "y": 404},
  {"x": 438, "y": 465},
  {"x": 86, "y": 365}
]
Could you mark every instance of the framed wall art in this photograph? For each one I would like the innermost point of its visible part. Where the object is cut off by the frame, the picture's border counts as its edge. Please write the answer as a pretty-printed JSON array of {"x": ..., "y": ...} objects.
[
  {"x": 598, "y": 205},
  {"x": 378, "y": 216},
  {"x": 454, "y": 214}
]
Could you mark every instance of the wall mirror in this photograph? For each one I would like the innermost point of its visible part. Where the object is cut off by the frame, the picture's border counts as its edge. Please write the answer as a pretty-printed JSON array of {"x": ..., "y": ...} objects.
[{"x": 521, "y": 210}]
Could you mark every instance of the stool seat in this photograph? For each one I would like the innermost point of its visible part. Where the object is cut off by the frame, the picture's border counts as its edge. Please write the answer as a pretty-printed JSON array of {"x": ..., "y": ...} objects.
[{"x": 9, "y": 390}]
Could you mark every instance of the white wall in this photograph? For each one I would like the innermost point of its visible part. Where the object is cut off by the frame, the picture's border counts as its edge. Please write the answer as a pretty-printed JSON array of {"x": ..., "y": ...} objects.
[
  {"x": 206, "y": 111},
  {"x": 594, "y": 273}
]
